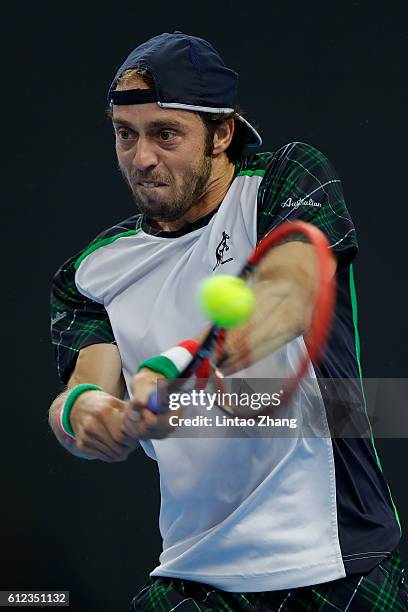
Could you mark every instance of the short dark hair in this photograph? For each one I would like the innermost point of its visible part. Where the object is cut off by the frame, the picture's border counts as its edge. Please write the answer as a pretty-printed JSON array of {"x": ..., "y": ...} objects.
[
  {"x": 237, "y": 146},
  {"x": 211, "y": 121}
]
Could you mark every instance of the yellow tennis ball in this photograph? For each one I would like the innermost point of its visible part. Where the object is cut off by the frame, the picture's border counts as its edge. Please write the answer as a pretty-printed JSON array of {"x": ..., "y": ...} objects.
[{"x": 226, "y": 300}]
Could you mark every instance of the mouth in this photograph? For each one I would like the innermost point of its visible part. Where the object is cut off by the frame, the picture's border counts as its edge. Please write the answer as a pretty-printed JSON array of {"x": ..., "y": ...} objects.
[{"x": 150, "y": 184}]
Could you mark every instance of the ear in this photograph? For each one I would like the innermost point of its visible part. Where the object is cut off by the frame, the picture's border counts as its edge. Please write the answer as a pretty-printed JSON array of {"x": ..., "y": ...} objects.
[{"x": 223, "y": 136}]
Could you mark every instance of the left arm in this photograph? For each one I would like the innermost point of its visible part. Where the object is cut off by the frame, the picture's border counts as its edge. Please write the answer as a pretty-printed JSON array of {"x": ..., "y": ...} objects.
[{"x": 284, "y": 287}]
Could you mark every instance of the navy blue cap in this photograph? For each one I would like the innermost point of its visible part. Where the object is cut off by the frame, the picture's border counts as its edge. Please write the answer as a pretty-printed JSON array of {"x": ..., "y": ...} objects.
[{"x": 188, "y": 73}]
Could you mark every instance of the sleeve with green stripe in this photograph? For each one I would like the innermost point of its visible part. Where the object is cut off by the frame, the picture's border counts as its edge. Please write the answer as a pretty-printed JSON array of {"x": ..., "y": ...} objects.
[
  {"x": 76, "y": 321},
  {"x": 301, "y": 183}
]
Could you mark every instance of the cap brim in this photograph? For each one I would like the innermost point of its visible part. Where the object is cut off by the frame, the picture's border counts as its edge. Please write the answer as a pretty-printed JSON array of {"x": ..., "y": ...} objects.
[{"x": 253, "y": 138}]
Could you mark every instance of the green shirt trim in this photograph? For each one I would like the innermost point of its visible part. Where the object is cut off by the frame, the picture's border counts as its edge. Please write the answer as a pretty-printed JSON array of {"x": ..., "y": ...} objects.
[
  {"x": 357, "y": 346},
  {"x": 102, "y": 243},
  {"x": 251, "y": 173}
]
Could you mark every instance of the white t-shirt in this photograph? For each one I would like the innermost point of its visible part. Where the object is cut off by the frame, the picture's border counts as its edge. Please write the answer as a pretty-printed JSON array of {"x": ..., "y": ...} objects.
[{"x": 243, "y": 514}]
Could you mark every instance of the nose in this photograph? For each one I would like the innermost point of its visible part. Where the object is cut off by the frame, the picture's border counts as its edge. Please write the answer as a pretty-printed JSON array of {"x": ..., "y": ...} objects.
[{"x": 144, "y": 155}]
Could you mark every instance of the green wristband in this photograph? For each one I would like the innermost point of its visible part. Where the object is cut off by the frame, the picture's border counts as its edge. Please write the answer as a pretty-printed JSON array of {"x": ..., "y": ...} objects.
[
  {"x": 160, "y": 364},
  {"x": 69, "y": 403}
]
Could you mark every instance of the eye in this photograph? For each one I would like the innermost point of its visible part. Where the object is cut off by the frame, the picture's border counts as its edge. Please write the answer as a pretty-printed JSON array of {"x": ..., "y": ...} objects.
[
  {"x": 123, "y": 134},
  {"x": 167, "y": 135}
]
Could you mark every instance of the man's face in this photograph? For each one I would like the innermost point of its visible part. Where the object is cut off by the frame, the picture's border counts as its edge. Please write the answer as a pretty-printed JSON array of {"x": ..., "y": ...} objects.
[{"x": 161, "y": 154}]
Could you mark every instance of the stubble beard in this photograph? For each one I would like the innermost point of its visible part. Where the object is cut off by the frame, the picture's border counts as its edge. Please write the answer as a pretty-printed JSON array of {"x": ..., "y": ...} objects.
[{"x": 180, "y": 200}]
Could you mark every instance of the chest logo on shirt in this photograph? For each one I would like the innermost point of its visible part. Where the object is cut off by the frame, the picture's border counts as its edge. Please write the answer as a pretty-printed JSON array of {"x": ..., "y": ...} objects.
[{"x": 220, "y": 250}]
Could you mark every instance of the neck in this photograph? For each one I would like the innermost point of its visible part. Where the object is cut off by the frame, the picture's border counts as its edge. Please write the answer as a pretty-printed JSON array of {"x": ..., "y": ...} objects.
[{"x": 218, "y": 184}]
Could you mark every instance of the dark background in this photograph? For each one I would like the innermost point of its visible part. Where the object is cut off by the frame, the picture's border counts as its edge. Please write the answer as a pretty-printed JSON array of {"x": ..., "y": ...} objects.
[{"x": 329, "y": 74}]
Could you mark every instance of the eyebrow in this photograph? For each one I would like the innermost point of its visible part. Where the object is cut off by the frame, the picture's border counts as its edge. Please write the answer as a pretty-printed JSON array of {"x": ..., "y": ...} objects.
[{"x": 153, "y": 125}]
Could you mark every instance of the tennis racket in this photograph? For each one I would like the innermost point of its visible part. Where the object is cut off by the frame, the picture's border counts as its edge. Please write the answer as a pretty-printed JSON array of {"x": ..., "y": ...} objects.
[{"x": 324, "y": 299}]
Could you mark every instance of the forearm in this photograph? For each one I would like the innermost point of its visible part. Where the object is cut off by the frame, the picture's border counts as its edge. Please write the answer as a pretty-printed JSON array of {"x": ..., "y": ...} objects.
[
  {"x": 280, "y": 316},
  {"x": 100, "y": 365},
  {"x": 284, "y": 297}
]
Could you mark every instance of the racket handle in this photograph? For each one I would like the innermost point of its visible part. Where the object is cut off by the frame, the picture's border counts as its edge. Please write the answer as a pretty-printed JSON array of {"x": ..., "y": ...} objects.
[{"x": 155, "y": 403}]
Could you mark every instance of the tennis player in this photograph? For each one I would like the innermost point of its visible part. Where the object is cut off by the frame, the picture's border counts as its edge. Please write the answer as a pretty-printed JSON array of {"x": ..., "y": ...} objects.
[{"x": 253, "y": 523}]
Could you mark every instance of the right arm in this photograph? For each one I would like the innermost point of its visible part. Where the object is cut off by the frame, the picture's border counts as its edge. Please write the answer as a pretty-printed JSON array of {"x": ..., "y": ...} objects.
[
  {"x": 97, "y": 416},
  {"x": 105, "y": 426},
  {"x": 86, "y": 352}
]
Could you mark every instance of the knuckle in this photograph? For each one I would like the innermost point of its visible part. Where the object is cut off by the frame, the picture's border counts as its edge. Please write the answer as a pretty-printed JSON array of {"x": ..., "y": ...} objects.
[
  {"x": 86, "y": 430},
  {"x": 101, "y": 409},
  {"x": 119, "y": 435},
  {"x": 88, "y": 426}
]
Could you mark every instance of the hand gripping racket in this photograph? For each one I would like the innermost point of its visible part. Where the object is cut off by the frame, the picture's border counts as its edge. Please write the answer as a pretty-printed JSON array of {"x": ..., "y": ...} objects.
[{"x": 324, "y": 299}]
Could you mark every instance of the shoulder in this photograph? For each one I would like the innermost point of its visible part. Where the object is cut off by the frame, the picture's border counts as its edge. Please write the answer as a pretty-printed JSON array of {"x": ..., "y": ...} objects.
[
  {"x": 66, "y": 272},
  {"x": 254, "y": 164},
  {"x": 126, "y": 227},
  {"x": 291, "y": 156},
  {"x": 301, "y": 155},
  {"x": 132, "y": 223}
]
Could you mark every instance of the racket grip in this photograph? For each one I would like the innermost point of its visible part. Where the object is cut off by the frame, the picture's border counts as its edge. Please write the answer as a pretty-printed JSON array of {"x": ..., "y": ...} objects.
[{"x": 155, "y": 403}]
